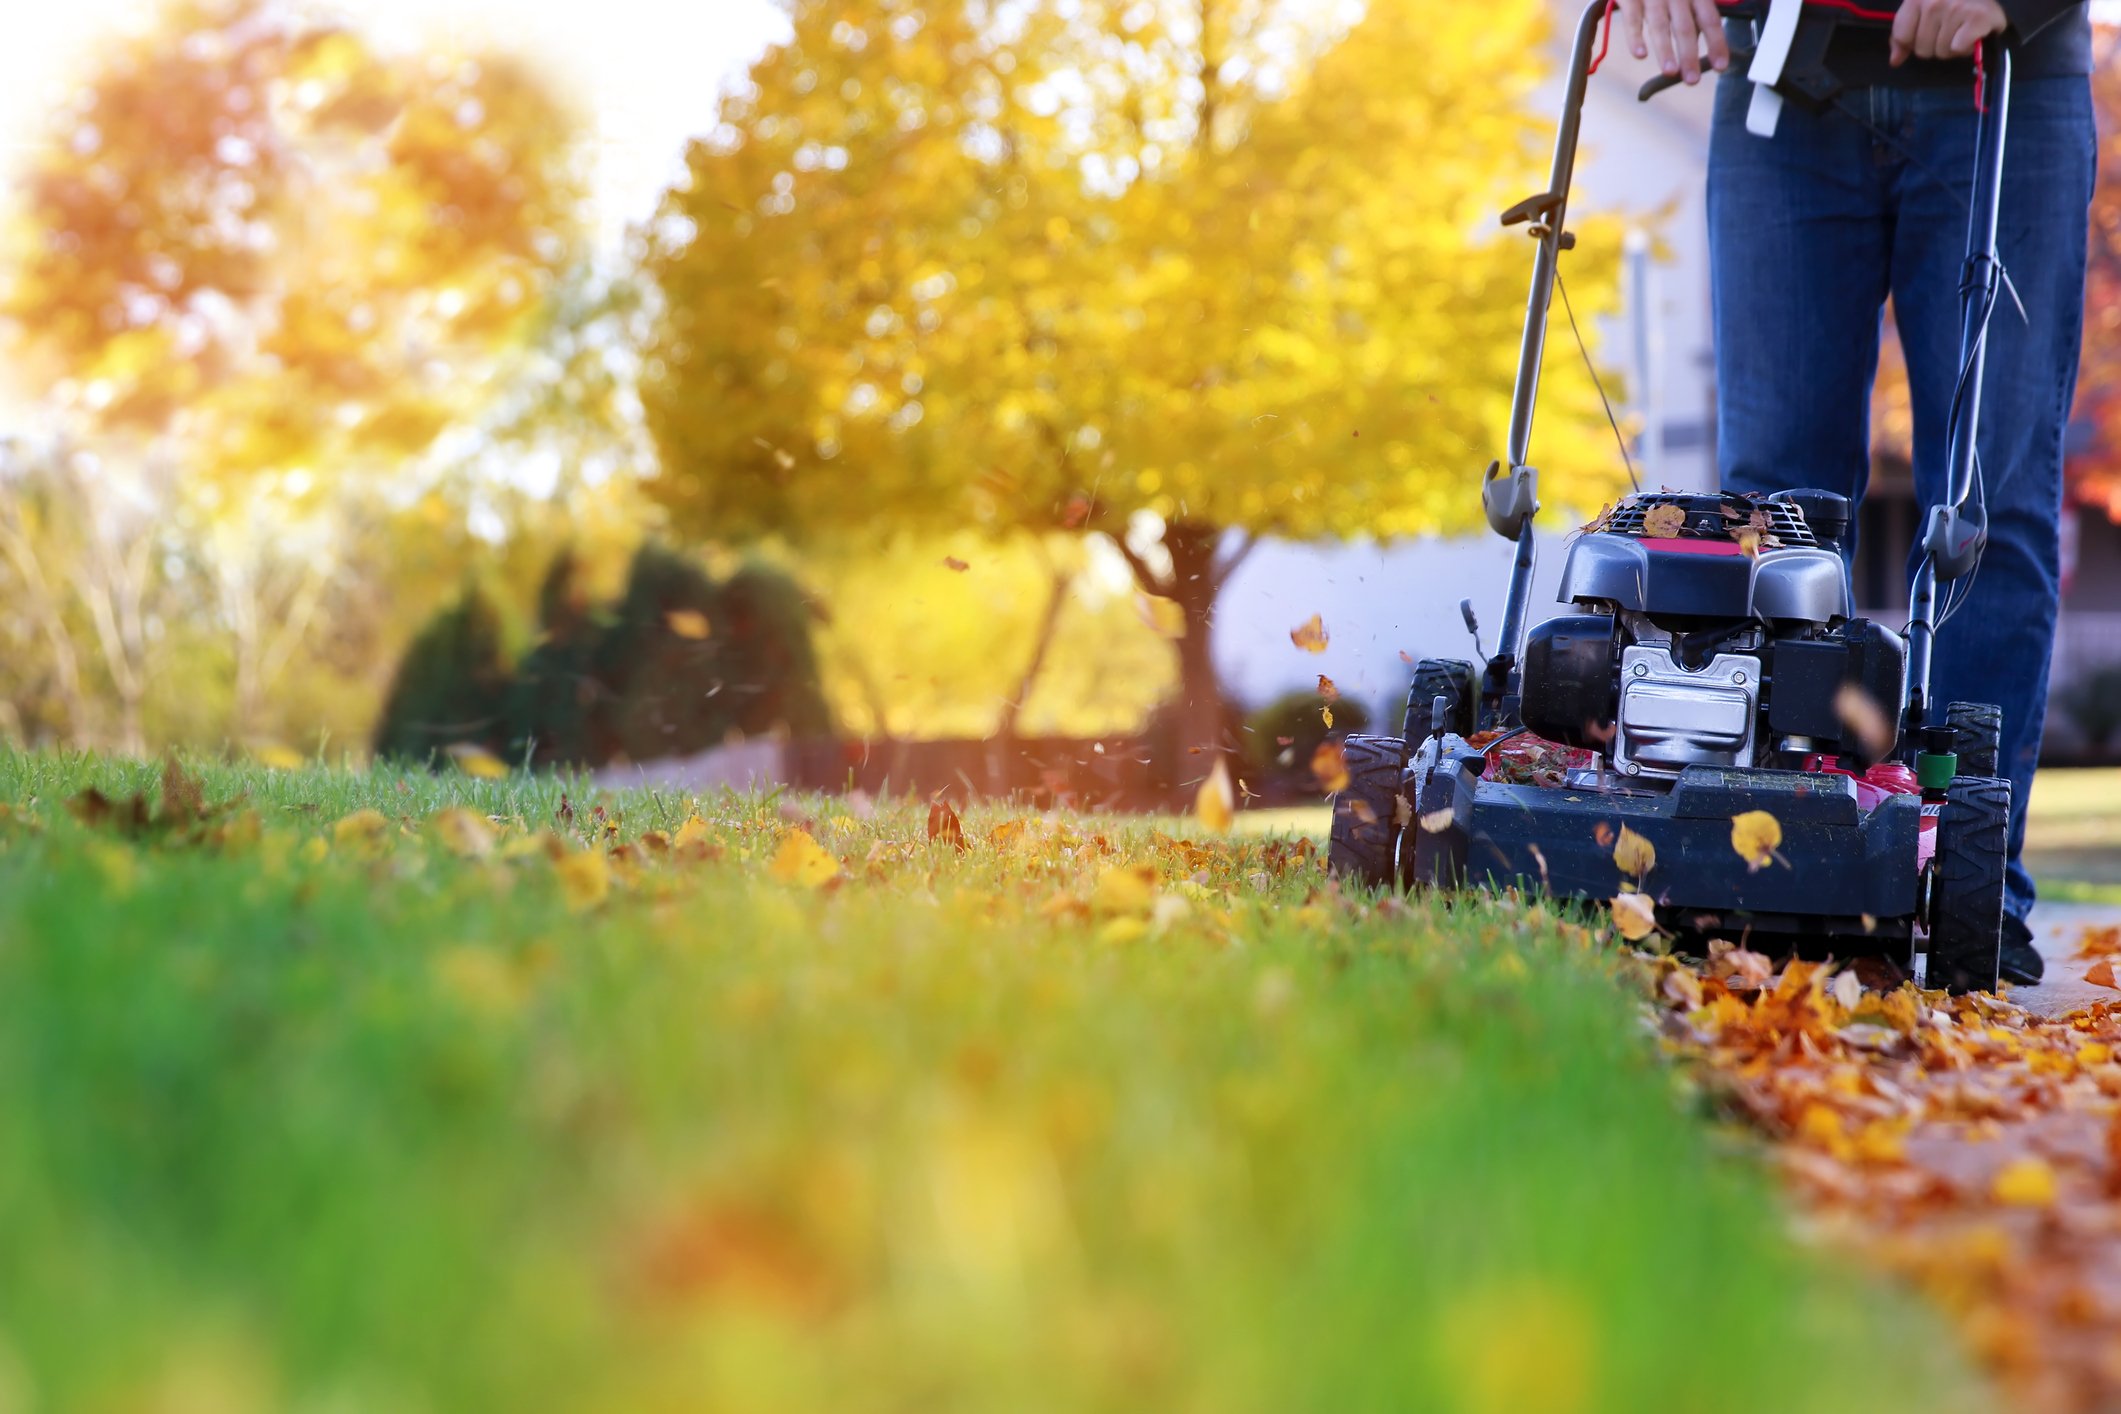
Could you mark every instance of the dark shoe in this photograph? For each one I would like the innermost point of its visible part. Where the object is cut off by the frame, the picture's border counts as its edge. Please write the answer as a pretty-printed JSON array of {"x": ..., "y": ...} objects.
[{"x": 2021, "y": 962}]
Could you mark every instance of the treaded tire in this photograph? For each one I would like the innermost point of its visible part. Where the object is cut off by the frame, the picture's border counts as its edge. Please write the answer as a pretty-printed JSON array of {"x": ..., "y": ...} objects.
[
  {"x": 1451, "y": 678},
  {"x": 1979, "y": 726},
  {"x": 1360, "y": 848},
  {"x": 1966, "y": 885}
]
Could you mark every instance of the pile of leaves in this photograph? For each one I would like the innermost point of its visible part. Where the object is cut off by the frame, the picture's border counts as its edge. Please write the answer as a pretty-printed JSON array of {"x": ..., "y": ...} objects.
[{"x": 1965, "y": 1143}]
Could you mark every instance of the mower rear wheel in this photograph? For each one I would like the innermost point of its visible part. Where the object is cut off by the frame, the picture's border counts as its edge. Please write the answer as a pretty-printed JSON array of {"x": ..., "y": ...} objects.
[
  {"x": 1979, "y": 728},
  {"x": 1966, "y": 884},
  {"x": 1452, "y": 679},
  {"x": 1366, "y": 815}
]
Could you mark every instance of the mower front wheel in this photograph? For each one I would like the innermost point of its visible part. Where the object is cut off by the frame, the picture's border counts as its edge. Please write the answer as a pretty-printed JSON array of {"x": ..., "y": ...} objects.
[
  {"x": 1966, "y": 885},
  {"x": 1365, "y": 831}
]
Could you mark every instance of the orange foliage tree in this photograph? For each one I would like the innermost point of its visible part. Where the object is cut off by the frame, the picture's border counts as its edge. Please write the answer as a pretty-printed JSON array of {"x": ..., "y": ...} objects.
[{"x": 255, "y": 260}]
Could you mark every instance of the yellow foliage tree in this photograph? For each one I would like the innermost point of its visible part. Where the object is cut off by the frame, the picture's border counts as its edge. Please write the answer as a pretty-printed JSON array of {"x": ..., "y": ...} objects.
[{"x": 1179, "y": 271}]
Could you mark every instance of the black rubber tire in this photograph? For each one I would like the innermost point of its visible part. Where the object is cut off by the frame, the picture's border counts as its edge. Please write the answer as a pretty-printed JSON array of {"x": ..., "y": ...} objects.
[
  {"x": 1979, "y": 726},
  {"x": 1451, "y": 678},
  {"x": 1966, "y": 885},
  {"x": 1361, "y": 848}
]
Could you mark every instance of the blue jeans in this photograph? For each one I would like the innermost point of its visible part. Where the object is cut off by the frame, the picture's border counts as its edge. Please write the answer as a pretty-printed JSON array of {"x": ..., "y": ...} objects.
[{"x": 1809, "y": 232}]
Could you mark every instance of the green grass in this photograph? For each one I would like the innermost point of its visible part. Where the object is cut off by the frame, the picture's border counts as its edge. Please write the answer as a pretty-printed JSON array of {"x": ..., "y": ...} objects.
[{"x": 300, "y": 1125}]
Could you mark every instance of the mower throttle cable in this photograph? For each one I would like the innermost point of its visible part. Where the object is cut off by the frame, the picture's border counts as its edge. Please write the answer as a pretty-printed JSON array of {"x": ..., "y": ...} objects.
[{"x": 1576, "y": 333}]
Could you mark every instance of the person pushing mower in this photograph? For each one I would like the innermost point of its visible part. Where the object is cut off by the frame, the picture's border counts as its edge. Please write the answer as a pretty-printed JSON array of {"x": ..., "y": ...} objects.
[{"x": 1821, "y": 209}]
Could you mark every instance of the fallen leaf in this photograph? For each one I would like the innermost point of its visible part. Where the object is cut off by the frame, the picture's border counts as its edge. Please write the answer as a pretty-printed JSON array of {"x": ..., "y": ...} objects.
[
  {"x": 1865, "y": 719},
  {"x": 1125, "y": 889},
  {"x": 687, "y": 623},
  {"x": 585, "y": 879},
  {"x": 954, "y": 564},
  {"x": 477, "y": 761},
  {"x": 2101, "y": 974},
  {"x": 692, "y": 832},
  {"x": 1310, "y": 635},
  {"x": 1749, "y": 544},
  {"x": 1755, "y": 834},
  {"x": 2025, "y": 1182},
  {"x": 944, "y": 825},
  {"x": 1327, "y": 690},
  {"x": 464, "y": 833},
  {"x": 1215, "y": 805},
  {"x": 2093, "y": 941},
  {"x": 1664, "y": 522},
  {"x": 1634, "y": 915},
  {"x": 1847, "y": 989},
  {"x": 802, "y": 860},
  {"x": 1330, "y": 765},
  {"x": 366, "y": 826},
  {"x": 1634, "y": 854},
  {"x": 183, "y": 797}
]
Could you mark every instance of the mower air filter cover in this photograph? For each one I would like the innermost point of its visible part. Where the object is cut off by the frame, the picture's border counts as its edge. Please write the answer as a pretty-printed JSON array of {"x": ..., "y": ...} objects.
[{"x": 1568, "y": 689}]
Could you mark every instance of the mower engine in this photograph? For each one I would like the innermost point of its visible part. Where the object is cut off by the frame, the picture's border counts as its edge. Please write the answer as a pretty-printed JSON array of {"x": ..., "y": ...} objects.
[{"x": 1713, "y": 630}]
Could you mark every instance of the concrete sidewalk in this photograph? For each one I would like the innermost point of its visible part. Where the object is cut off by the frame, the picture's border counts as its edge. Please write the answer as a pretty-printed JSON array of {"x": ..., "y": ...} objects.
[{"x": 2056, "y": 928}]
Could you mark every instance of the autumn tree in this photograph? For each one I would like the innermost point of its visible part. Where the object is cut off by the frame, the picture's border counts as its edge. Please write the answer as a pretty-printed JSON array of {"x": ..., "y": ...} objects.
[
  {"x": 259, "y": 251},
  {"x": 2095, "y": 476},
  {"x": 1180, "y": 272}
]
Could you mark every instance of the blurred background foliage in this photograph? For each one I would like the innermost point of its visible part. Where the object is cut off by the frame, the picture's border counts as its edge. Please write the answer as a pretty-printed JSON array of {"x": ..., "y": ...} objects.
[{"x": 980, "y": 342}]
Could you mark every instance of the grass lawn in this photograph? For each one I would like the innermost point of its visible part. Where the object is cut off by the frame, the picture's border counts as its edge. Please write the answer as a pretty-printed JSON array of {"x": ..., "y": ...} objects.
[{"x": 304, "y": 1108}]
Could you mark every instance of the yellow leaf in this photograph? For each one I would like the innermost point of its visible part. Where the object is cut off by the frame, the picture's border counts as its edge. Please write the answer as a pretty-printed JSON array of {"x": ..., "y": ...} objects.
[
  {"x": 1330, "y": 765},
  {"x": 1327, "y": 714},
  {"x": 687, "y": 623},
  {"x": 1125, "y": 888},
  {"x": 1166, "y": 616},
  {"x": 464, "y": 833},
  {"x": 313, "y": 849},
  {"x": 802, "y": 860},
  {"x": 2025, "y": 1182},
  {"x": 585, "y": 878},
  {"x": 475, "y": 761},
  {"x": 278, "y": 758},
  {"x": 1634, "y": 854},
  {"x": 1123, "y": 930},
  {"x": 1755, "y": 834},
  {"x": 1663, "y": 522},
  {"x": 693, "y": 831},
  {"x": 360, "y": 827},
  {"x": 1634, "y": 916},
  {"x": 1310, "y": 636},
  {"x": 1216, "y": 804}
]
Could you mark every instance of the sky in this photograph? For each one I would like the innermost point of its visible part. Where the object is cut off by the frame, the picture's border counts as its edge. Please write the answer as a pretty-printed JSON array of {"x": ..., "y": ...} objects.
[{"x": 646, "y": 71}]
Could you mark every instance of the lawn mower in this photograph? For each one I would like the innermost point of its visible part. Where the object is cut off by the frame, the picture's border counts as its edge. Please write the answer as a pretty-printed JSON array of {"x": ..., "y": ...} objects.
[{"x": 1710, "y": 692}]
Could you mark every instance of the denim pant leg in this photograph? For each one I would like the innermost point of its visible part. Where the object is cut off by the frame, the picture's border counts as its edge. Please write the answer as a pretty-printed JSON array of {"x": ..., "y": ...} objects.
[
  {"x": 1800, "y": 243},
  {"x": 1996, "y": 647}
]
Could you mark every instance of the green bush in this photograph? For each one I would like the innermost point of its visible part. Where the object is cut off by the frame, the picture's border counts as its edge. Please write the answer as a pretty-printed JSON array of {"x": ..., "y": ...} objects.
[
  {"x": 679, "y": 664},
  {"x": 452, "y": 686},
  {"x": 1299, "y": 719}
]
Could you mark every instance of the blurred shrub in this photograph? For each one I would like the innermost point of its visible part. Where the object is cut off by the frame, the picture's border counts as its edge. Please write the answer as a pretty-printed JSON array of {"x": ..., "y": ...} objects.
[
  {"x": 452, "y": 685},
  {"x": 2093, "y": 703},
  {"x": 679, "y": 664},
  {"x": 1280, "y": 737}
]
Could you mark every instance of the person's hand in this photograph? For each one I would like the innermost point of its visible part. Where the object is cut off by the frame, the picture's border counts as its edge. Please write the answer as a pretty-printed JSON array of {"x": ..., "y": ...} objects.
[
  {"x": 1941, "y": 29},
  {"x": 1675, "y": 29}
]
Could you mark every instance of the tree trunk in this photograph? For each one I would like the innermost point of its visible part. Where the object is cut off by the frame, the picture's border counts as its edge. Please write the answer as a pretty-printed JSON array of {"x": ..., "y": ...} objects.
[
  {"x": 1196, "y": 577},
  {"x": 1041, "y": 647}
]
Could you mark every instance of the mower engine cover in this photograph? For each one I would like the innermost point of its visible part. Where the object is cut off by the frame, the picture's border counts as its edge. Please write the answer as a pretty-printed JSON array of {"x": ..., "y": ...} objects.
[{"x": 1711, "y": 630}]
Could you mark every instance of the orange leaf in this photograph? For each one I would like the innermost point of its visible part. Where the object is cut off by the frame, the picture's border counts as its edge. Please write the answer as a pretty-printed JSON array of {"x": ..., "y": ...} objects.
[
  {"x": 1663, "y": 522},
  {"x": 1326, "y": 689},
  {"x": 1216, "y": 804},
  {"x": 2101, "y": 974},
  {"x": 687, "y": 623},
  {"x": 1634, "y": 915},
  {"x": 1330, "y": 764},
  {"x": 1310, "y": 635}
]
